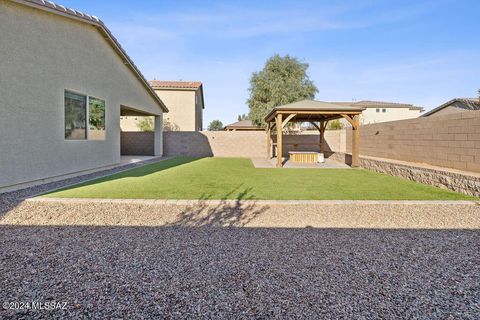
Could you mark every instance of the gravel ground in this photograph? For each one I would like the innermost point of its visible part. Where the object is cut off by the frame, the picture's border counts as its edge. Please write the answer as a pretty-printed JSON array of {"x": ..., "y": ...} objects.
[
  {"x": 8, "y": 200},
  {"x": 208, "y": 272},
  {"x": 258, "y": 214},
  {"x": 244, "y": 259}
]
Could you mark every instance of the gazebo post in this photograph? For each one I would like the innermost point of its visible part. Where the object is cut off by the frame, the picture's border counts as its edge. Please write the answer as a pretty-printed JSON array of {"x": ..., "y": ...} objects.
[
  {"x": 269, "y": 142},
  {"x": 356, "y": 142},
  {"x": 322, "y": 135},
  {"x": 279, "y": 139}
]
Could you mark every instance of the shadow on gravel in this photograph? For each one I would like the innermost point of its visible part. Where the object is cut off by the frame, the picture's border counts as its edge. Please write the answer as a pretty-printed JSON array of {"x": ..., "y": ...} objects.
[
  {"x": 209, "y": 272},
  {"x": 222, "y": 215},
  {"x": 8, "y": 202}
]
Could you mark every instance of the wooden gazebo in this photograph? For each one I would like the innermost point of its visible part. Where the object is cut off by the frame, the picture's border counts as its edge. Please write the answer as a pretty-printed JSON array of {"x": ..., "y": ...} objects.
[{"x": 318, "y": 113}]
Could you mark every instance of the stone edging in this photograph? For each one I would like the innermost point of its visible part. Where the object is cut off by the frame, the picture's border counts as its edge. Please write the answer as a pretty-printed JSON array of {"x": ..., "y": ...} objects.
[
  {"x": 445, "y": 178},
  {"x": 466, "y": 184},
  {"x": 253, "y": 202}
]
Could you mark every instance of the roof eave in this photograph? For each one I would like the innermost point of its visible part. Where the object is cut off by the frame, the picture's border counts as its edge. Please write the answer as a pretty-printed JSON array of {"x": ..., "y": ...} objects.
[{"x": 356, "y": 111}]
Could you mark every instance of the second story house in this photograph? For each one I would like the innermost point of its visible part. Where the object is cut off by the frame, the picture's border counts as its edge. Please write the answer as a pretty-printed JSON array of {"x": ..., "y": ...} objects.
[
  {"x": 185, "y": 103},
  {"x": 380, "y": 111}
]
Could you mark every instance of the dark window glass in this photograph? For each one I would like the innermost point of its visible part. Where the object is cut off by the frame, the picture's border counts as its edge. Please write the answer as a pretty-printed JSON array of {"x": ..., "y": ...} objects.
[{"x": 75, "y": 116}]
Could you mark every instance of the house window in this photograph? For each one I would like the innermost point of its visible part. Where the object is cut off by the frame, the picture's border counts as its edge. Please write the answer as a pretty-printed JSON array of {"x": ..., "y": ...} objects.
[
  {"x": 96, "y": 119},
  {"x": 75, "y": 116},
  {"x": 77, "y": 113},
  {"x": 378, "y": 110},
  {"x": 384, "y": 110}
]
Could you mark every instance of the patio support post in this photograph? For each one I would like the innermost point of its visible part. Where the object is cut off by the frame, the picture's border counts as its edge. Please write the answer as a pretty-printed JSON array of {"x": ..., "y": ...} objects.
[
  {"x": 269, "y": 142},
  {"x": 158, "y": 139},
  {"x": 279, "y": 139},
  {"x": 356, "y": 142},
  {"x": 322, "y": 135}
]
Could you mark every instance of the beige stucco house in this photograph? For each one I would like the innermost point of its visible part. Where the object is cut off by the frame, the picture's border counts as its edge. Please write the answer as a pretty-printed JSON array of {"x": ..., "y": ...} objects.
[
  {"x": 380, "y": 111},
  {"x": 185, "y": 102},
  {"x": 456, "y": 105},
  {"x": 64, "y": 83}
]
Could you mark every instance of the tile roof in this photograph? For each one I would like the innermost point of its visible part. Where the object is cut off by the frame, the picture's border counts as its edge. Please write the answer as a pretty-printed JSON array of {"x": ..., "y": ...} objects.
[
  {"x": 95, "y": 21},
  {"x": 465, "y": 103},
  {"x": 242, "y": 124},
  {"x": 380, "y": 104},
  {"x": 60, "y": 8},
  {"x": 316, "y": 107},
  {"x": 160, "y": 84}
]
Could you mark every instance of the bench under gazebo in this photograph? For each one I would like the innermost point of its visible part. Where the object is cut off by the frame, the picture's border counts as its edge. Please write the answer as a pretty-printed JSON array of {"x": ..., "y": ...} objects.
[{"x": 318, "y": 113}]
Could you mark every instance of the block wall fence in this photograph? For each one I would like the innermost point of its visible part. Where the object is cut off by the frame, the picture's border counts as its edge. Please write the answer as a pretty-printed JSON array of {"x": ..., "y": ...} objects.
[
  {"x": 242, "y": 143},
  {"x": 450, "y": 141}
]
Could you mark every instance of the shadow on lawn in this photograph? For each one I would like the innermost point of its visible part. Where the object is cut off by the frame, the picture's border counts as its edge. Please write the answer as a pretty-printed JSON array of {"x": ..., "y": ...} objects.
[{"x": 227, "y": 213}]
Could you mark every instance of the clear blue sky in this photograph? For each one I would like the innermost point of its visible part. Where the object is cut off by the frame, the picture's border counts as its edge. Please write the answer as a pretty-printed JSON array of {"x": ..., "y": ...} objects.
[{"x": 413, "y": 51}]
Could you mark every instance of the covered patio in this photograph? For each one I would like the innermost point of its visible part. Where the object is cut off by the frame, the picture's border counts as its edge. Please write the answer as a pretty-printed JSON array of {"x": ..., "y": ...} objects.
[
  {"x": 318, "y": 113},
  {"x": 141, "y": 143}
]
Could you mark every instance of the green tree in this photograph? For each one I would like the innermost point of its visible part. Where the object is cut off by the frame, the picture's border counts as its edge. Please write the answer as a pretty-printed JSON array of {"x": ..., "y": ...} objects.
[
  {"x": 215, "y": 125},
  {"x": 146, "y": 124},
  {"x": 242, "y": 117},
  {"x": 283, "y": 80},
  {"x": 335, "y": 125},
  {"x": 170, "y": 126}
]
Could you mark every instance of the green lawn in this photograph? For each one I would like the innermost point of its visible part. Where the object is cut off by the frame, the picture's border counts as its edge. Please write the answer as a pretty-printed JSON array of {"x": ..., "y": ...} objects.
[{"x": 227, "y": 178}]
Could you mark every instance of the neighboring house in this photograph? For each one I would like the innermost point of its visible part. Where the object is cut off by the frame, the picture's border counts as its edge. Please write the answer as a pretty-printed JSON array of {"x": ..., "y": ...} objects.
[
  {"x": 379, "y": 111},
  {"x": 243, "y": 125},
  {"x": 454, "y": 106},
  {"x": 185, "y": 102},
  {"x": 64, "y": 83}
]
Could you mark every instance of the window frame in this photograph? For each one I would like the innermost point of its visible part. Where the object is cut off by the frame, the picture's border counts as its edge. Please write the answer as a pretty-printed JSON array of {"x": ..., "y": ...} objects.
[
  {"x": 104, "y": 117},
  {"x": 87, "y": 115}
]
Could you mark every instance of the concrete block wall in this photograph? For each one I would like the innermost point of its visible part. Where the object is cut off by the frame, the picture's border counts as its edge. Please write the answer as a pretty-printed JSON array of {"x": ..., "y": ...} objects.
[
  {"x": 137, "y": 143},
  {"x": 215, "y": 143},
  {"x": 450, "y": 141},
  {"x": 251, "y": 144}
]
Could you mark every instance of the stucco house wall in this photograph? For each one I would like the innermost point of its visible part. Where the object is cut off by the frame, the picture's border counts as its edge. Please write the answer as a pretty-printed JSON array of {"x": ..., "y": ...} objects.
[
  {"x": 182, "y": 108},
  {"x": 370, "y": 115},
  {"x": 41, "y": 56}
]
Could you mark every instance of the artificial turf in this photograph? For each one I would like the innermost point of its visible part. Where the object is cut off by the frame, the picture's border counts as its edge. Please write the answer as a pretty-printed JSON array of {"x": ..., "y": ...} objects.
[{"x": 237, "y": 178}]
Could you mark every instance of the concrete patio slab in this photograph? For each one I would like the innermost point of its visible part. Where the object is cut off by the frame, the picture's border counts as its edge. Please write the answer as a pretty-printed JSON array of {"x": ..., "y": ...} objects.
[{"x": 271, "y": 163}]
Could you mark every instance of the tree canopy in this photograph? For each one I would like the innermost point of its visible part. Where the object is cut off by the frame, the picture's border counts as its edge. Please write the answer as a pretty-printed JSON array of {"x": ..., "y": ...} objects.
[
  {"x": 215, "y": 125},
  {"x": 146, "y": 124},
  {"x": 242, "y": 117},
  {"x": 283, "y": 80}
]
